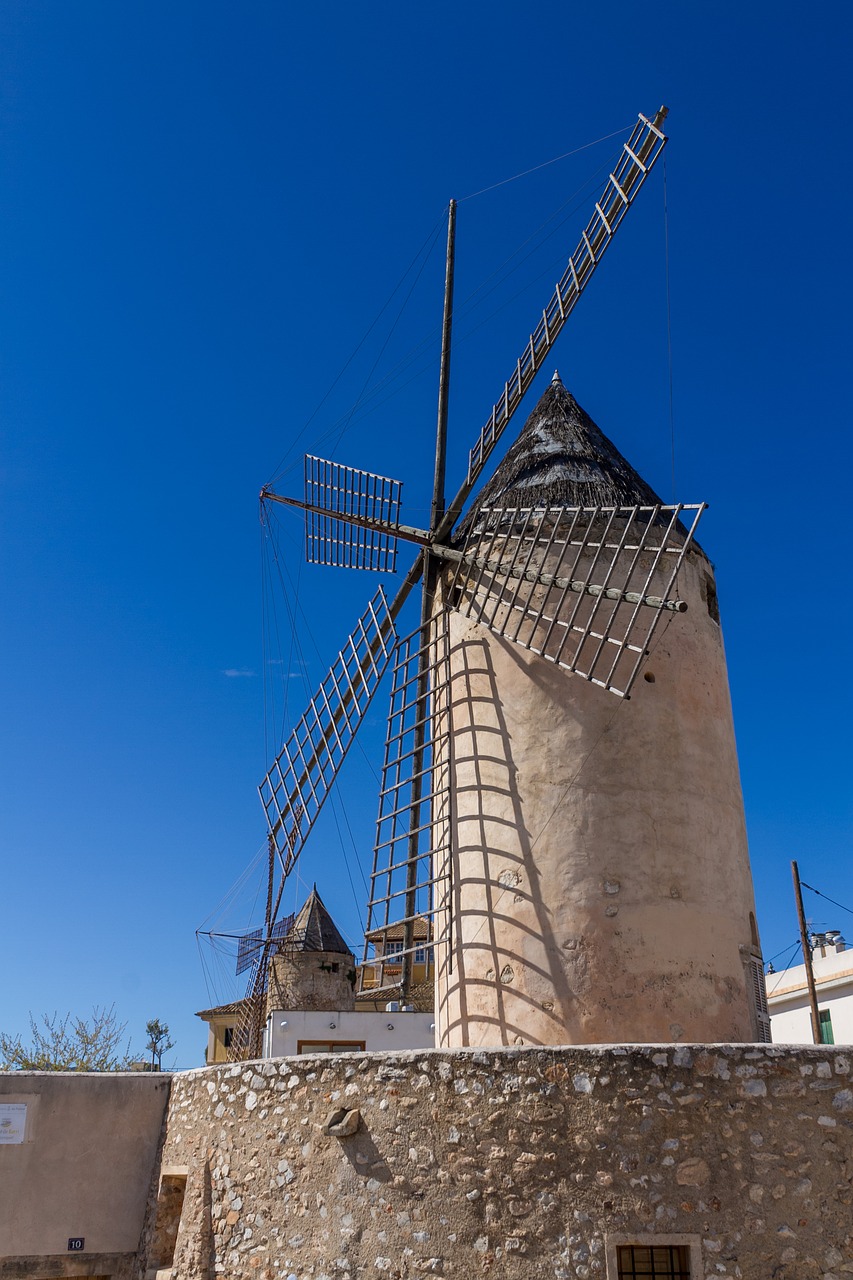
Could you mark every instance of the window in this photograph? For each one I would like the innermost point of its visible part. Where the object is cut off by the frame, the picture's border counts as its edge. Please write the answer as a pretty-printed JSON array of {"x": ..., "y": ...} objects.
[
  {"x": 759, "y": 1000},
  {"x": 228, "y": 1037},
  {"x": 423, "y": 955},
  {"x": 394, "y": 948},
  {"x": 825, "y": 1019},
  {"x": 330, "y": 1046},
  {"x": 709, "y": 595},
  {"x": 661, "y": 1261}
]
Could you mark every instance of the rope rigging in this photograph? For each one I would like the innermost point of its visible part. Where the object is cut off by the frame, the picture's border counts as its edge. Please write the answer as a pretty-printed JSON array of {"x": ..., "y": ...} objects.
[{"x": 368, "y": 402}]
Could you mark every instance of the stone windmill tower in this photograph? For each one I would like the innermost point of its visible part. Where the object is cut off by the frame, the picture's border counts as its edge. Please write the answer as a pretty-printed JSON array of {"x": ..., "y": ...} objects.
[
  {"x": 600, "y": 888},
  {"x": 579, "y": 857}
]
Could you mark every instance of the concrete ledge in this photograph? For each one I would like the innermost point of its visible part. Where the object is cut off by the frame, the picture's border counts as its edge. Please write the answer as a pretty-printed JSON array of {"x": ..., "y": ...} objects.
[{"x": 116, "y": 1266}]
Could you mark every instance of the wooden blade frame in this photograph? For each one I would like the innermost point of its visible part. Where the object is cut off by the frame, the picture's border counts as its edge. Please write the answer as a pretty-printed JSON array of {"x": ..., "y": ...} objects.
[
  {"x": 337, "y": 500},
  {"x": 583, "y": 587},
  {"x": 296, "y": 786},
  {"x": 635, "y": 163},
  {"x": 251, "y": 945},
  {"x": 409, "y": 880}
]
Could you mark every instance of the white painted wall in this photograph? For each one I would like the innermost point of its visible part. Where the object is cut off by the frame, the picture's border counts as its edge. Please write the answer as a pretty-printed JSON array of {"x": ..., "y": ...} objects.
[
  {"x": 379, "y": 1031},
  {"x": 788, "y": 999}
]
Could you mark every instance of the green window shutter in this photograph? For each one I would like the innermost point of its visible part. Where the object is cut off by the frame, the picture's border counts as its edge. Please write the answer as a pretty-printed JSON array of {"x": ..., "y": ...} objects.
[{"x": 826, "y": 1036}]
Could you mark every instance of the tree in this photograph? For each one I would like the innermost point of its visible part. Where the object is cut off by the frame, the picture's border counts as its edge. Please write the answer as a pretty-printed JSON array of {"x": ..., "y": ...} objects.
[
  {"x": 68, "y": 1044},
  {"x": 158, "y": 1042}
]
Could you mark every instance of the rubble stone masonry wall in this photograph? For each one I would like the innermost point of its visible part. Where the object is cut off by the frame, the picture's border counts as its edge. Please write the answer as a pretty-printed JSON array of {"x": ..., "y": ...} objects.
[{"x": 513, "y": 1162}]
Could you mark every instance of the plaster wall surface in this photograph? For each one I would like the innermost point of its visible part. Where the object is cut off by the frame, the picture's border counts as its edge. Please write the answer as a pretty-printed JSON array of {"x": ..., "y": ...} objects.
[
  {"x": 82, "y": 1170},
  {"x": 379, "y": 1031},
  {"x": 601, "y": 888},
  {"x": 517, "y": 1163},
  {"x": 788, "y": 998}
]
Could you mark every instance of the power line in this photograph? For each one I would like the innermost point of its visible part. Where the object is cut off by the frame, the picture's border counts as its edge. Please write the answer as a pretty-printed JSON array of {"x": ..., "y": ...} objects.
[
  {"x": 840, "y": 905},
  {"x": 544, "y": 165}
]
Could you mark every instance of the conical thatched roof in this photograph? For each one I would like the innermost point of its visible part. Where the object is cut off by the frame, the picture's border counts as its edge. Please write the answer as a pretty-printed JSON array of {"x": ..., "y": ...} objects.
[
  {"x": 315, "y": 930},
  {"x": 561, "y": 458}
]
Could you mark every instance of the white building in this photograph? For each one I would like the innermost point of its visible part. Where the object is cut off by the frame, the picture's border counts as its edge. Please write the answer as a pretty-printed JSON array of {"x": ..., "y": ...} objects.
[
  {"x": 788, "y": 996},
  {"x": 296, "y": 1031}
]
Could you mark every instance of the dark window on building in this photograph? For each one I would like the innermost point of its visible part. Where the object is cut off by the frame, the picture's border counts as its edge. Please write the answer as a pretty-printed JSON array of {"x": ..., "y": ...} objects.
[
  {"x": 330, "y": 1046},
  {"x": 825, "y": 1018},
  {"x": 664, "y": 1262},
  {"x": 709, "y": 593},
  {"x": 228, "y": 1037}
]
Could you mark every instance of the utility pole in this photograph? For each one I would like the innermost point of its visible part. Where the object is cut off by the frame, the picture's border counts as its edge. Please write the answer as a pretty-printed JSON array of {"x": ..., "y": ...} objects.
[{"x": 807, "y": 955}]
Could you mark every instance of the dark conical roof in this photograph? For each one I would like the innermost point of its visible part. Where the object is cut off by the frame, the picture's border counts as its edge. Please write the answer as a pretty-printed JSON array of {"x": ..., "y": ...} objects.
[
  {"x": 561, "y": 458},
  {"x": 315, "y": 930}
]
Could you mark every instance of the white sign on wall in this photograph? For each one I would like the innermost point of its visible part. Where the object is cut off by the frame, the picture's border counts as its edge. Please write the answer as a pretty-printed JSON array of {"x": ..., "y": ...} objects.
[{"x": 13, "y": 1121}]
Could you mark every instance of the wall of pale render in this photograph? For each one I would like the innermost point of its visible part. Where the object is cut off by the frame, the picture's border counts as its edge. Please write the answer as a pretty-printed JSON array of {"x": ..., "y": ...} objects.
[
  {"x": 606, "y": 894},
  {"x": 516, "y": 1163},
  {"x": 788, "y": 996},
  {"x": 82, "y": 1171}
]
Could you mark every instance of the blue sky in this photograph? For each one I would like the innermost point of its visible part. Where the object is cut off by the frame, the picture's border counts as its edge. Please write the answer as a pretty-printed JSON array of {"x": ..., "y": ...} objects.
[{"x": 205, "y": 207}]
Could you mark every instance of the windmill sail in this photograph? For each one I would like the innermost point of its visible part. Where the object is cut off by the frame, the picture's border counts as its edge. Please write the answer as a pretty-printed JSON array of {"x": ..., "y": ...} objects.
[
  {"x": 350, "y": 516},
  {"x": 409, "y": 880},
  {"x": 296, "y": 786},
  {"x": 635, "y": 163},
  {"x": 584, "y": 587}
]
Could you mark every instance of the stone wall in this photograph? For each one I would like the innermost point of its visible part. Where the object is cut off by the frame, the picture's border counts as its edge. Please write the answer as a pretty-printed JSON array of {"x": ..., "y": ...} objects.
[
  {"x": 311, "y": 980},
  {"x": 515, "y": 1162}
]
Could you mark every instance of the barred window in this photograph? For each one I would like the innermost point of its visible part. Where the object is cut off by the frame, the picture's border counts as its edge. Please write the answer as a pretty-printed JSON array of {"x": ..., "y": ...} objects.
[{"x": 662, "y": 1262}]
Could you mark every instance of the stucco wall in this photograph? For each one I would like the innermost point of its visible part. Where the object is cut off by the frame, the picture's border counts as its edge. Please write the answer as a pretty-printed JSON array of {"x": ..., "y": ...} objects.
[
  {"x": 517, "y": 1162},
  {"x": 601, "y": 888},
  {"x": 793, "y": 1024},
  {"x": 83, "y": 1169},
  {"x": 788, "y": 997}
]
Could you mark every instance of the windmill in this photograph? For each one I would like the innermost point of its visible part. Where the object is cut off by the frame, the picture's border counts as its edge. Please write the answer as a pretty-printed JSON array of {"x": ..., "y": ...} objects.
[{"x": 540, "y": 583}]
